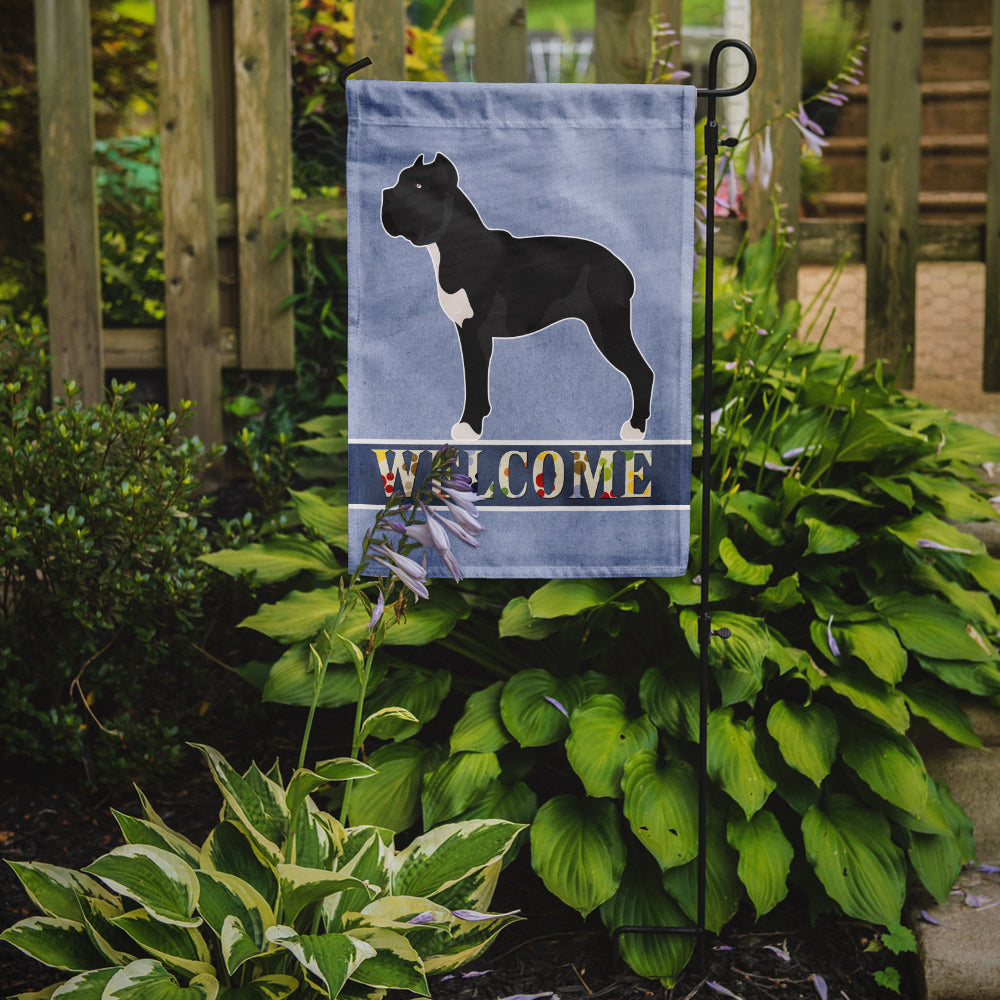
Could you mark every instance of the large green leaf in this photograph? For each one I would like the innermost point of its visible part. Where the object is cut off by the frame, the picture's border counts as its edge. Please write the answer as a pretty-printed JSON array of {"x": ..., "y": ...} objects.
[
  {"x": 391, "y": 798},
  {"x": 957, "y": 501},
  {"x": 671, "y": 699},
  {"x": 828, "y": 539},
  {"x": 866, "y": 692},
  {"x": 516, "y": 803},
  {"x": 807, "y": 736},
  {"x": 739, "y": 569},
  {"x": 328, "y": 520},
  {"x": 927, "y": 528},
  {"x": 870, "y": 435},
  {"x": 783, "y": 595},
  {"x": 481, "y": 728},
  {"x": 456, "y": 784},
  {"x": 732, "y": 760},
  {"x": 558, "y": 598},
  {"x": 876, "y": 646},
  {"x": 292, "y": 680},
  {"x": 578, "y": 851},
  {"x": 230, "y": 849},
  {"x": 278, "y": 558},
  {"x": 535, "y": 706},
  {"x": 602, "y": 738},
  {"x": 738, "y": 661},
  {"x": 723, "y": 889},
  {"x": 330, "y": 959},
  {"x": 888, "y": 763},
  {"x": 765, "y": 858},
  {"x": 661, "y": 798},
  {"x": 758, "y": 511},
  {"x": 941, "y": 709},
  {"x": 517, "y": 620},
  {"x": 304, "y": 782},
  {"x": 419, "y": 690},
  {"x": 641, "y": 901},
  {"x": 440, "y": 858},
  {"x": 54, "y": 941},
  {"x": 56, "y": 891},
  {"x": 976, "y": 678},
  {"x": 932, "y": 628},
  {"x": 164, "y": 885},
  {"x": 147, "y": 979},
  {"x": 850, "y": 848}
]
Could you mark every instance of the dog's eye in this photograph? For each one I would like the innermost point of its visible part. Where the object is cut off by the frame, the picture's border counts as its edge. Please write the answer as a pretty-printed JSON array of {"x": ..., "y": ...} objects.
[{"x": 417, "y": 184}]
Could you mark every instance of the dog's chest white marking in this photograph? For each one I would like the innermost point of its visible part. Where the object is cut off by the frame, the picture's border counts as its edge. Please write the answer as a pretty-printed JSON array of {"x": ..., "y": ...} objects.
[{"x": 456, "y": 305}]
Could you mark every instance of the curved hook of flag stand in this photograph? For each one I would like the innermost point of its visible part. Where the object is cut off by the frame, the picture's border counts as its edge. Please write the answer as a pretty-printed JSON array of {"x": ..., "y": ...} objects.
[{"x": 705, "y": 631}]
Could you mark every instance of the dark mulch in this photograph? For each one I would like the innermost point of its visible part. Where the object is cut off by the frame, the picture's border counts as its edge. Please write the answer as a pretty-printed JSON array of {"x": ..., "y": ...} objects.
[{"x": 551, "y": 951}]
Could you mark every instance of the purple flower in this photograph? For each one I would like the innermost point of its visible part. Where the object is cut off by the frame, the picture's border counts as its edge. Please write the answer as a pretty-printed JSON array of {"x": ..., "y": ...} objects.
[
  {"x": 834, "y": 648},
  {"x": 427, "y": 917},
  {"x": 780, "y": 952},
  {"x": 761, "y": 163},
  {"x": 410, "y": 573},
  {"x": 475, "y": 915},
  {"x": 462, "y": 533},
  {"x": 927, "y": 543},
  {"x": 719, "y": 988},
  {"x": 558, "y": 705},
  {"x": 811, "y": 132},
  {"x": 377, "y": 611},
  {"x": 820, "y": 983},
  {"x": 462, "y": 498}
]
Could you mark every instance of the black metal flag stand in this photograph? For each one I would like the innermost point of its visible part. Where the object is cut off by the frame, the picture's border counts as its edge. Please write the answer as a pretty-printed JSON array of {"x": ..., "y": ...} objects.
[{"x": 705, "y": 631}]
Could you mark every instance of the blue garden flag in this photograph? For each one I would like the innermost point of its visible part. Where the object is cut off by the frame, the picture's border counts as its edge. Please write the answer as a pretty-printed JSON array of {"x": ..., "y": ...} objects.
[{"x": 520, "y": 273}]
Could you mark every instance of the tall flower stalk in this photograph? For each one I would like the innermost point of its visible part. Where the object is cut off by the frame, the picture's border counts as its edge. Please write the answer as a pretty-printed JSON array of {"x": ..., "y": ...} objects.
[{"x": 442, "y": 506}]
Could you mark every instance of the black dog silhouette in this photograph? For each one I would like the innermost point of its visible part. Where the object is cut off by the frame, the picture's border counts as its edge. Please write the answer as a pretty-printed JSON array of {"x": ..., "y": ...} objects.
[{"x": 492, "y": 284}]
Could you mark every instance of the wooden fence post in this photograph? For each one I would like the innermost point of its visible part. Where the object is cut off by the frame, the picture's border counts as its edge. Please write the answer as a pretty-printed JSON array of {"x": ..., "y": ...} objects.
[
  {"x": 190, "y": 251},
  {"x": 991, "y": 333},
  {"x": 776, "y": 34},
  {"x": 262, "y": 61},
  {"x": 501, "y": 41},
  {"x": 621, "y": 40},
  {"x": 72, "y": 256},
  {"x": 893, "y": 183},
  {"x": 380, "y": 34}
]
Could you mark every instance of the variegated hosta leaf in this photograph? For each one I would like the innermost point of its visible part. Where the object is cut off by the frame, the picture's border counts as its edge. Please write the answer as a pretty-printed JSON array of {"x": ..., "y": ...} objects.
[
  {"x": 56, "y": 891},
  {"x": 535, "y": 706},
  {"x": 177, "y": 947},
  {"x": 329, "y": 959},
  {"x": 116, "y": 946},
  {"x": 147, "y": 979},
  {"x": 315, "y": 838},
  {"x": 230, "y": 849},
  {"x": 300, "y": 887},
  {"x": 476, "y": 890},
  {"x": 642, "y": 902},
  {"x": 578, "y": 851},
  {"x": 158, "y": 880},
  {"x": 481, "y": 727},
  {"x": 86, "y": 986},
  {"x": 467, "y": 940},
  {"x": 141, "y": 831},
  {"x": 456, "y": 784},
  {"x": 274, "y": 987},
  {"x": 732, "y": 760},
  {"x": 304, "y": 782},
  {"x": 395, "y": 964},
  {"x": 256, "y": 801},
  {"x": 225, "y": 897},
  {"x": 441, "y": 857},
  {"x": 367, "y": 853},
  {"x": 54, "y": 941},
  {"x": 807, "y": 736},
  {"x": 602, "y": 737},
  {"x": 238, "y": 945},
  {"x": 850, "y": 847},
  {"x": 661, "y": 799},
  {"x": 765, "y": 858},
  {"x": 723, "y": 889}
]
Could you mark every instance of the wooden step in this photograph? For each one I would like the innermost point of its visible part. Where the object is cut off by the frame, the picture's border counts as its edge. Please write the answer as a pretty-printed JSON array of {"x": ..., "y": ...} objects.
[
  {"x": 956, "y": 53},
  {"x": 957, "y": 206},
  {"x": 947, "y": 162},
  {"x": 945, "y": 104}
]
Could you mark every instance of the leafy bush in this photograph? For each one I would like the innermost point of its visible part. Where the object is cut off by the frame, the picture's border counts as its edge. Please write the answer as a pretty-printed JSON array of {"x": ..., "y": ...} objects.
[
  {"x": 854, "y": 605},
  {"x": 279, "y": 899},
  {"x": 99, "y": 539}
]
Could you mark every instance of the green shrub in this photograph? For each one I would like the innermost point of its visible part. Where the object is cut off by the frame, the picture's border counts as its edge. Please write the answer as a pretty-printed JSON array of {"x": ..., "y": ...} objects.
[
  {"x": 854, "y": 604},
  {"x": 99, "y": 540},
  {"x": 280, "y": 899}
]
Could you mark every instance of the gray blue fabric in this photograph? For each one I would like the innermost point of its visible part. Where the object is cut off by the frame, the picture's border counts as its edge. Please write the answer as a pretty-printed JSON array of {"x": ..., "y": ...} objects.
[{"x": 606, "y": 165}]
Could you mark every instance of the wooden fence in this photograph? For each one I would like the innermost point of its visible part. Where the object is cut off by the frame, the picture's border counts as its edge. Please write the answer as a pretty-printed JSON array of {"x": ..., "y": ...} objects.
[{"x": 226, "y": 161}]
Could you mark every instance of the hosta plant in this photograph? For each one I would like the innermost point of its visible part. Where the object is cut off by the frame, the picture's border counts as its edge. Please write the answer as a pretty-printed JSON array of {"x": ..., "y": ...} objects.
[{"x": 279, "y": 900}]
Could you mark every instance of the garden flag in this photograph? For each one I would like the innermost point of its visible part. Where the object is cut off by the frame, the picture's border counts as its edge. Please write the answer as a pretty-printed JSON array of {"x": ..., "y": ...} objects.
[{"x": 520, "y": 273}]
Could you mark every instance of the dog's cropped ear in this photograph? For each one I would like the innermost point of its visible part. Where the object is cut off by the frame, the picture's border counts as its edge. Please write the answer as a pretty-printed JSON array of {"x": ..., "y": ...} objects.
[
  {"x": 441, "y": 162},
  {"x": 419, "y": 161}
]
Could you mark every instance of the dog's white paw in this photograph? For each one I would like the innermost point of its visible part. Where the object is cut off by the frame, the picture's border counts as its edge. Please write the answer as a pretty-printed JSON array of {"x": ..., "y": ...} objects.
[
  {"x": 463, "y": 432},
  {"x": 630, "y": 433}
]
